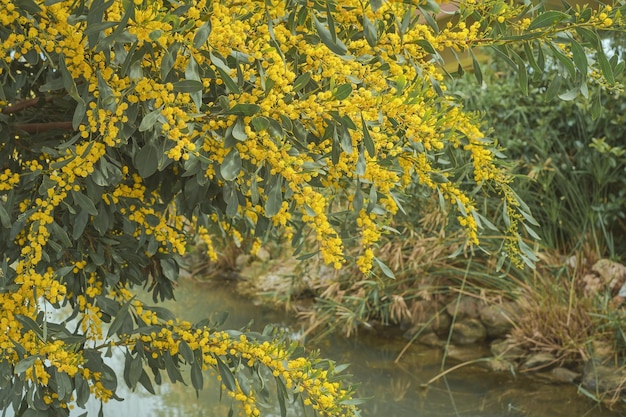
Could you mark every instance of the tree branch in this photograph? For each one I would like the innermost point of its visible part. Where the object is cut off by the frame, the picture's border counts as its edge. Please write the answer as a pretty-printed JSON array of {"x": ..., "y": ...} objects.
[{"x": 24, "y": 104}]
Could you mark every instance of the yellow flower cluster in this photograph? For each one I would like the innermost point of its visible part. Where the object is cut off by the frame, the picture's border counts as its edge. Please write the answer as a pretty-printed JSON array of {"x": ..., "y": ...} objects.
[
  {"x": 370, "y": 234},
  {"x": 8, "y": 180}
]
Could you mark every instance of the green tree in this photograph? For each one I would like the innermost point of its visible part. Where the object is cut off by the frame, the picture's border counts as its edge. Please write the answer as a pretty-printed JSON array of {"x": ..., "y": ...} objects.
[{"x": 131, "y": 129}]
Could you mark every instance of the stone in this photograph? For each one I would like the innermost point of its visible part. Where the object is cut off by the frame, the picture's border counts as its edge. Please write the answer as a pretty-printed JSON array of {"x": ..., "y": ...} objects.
[
  {"x": 468, "y": 331},
  {"x": 564, "y": 375},
  {"x": 506, "y": 349},
  {"x": 500, "y": 365},
  {"x": 263, "y": 255},
  {"x": 466, "y": 306},
  {"x": 499, "y": 318},
  {"x": 538, "y": 361},
  {"x": 612, "y": 274},
  {"x": 242, "y": 260},
  {"x": 431, "y": 340},
  {"x": 464, "y": 353},
  {"x": 604, "y": 379}
]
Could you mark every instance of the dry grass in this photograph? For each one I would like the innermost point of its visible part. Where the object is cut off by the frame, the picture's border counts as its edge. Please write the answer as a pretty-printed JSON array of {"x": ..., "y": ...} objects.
[{"x": 557, "y": 317}]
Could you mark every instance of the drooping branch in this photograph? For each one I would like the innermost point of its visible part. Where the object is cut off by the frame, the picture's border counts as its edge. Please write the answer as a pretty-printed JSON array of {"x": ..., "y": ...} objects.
[{"x": 24, "y": 104}]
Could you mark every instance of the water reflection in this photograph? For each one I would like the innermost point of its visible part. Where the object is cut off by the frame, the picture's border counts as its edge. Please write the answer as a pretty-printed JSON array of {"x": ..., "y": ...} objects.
[{"x": 395, "y": 389}]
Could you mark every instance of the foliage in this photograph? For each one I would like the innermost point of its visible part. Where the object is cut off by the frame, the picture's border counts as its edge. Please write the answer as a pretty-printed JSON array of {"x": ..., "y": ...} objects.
[
  {"x": 129, "y": 128},
  {"x": 571, "y": 159}
]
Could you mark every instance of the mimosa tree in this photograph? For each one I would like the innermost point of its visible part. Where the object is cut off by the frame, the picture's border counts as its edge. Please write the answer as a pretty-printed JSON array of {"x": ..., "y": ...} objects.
[{"x": 130, "y": 129}]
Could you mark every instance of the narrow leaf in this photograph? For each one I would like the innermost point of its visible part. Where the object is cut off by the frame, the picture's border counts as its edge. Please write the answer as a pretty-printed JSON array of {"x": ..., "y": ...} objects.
[{"x": 548, "y": 18}]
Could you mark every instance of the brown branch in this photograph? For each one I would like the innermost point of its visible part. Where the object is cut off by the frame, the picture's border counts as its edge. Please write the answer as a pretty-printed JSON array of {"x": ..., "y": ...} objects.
[
  {"x": 24, "y": 104},
  {"x": 43, "y": 127}
]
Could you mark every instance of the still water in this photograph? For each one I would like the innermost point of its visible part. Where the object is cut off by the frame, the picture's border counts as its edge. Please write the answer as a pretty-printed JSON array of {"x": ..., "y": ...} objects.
[{"x": 394, "y": 389}]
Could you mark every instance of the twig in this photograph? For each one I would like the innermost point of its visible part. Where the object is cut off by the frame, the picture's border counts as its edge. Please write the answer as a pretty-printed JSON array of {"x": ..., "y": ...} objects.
[
  {"x": 24, "y": 104},
  {"x": 454, "y": 368}
]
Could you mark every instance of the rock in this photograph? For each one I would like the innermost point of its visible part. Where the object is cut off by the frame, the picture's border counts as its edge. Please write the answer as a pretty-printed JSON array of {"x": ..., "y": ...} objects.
[
  {"x": 499, "y": 318},
  {"x": 538, "y": 361},
  {"x": 464, "y": 353},
  {"x": 506, "y": 349},
  {"x": 466, "y": 306},
  {"x": 468, "y": 331},
  {"x": 431, "y": 340},
  {"x": 604, "y": 379},
  {"x": 499, "y": 365},
  {"x": 564, "y": 375},
  {"x": 613, "y": 274},
  {"x": 242, "y": 260},
  {"x": 263, "y": 255}
]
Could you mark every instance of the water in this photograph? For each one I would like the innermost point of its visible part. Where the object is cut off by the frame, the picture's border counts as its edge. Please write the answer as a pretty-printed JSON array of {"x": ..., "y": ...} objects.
[{"x": 395, "y": 389}]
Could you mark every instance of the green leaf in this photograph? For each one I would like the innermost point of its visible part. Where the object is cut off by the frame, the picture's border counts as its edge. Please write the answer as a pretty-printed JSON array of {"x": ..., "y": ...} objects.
[
  {"x": 430, "y": 20},
  {"x": 427, "y": 46},
  {"x": 331, "y": 23},
  {"x": 4, "y": 217},
  {"x": 239, "y": 130},
  {"x": 186, "y": 352},
  {"x": 172, "y": 369},
  {"x": 231, "y": 165},
  {"x": 94, "y": 17},
  {"x": 147, "y": 160},
  {"x": 477, "y": 71},
  {"x": 570, "y": 94},
  {"x": 301, "y": 81},
  {"x": 386, "y": 270},
  {"x": 228, "y": 379},
  {"x": 230, "y": 83},
  {"x": 522, "y": 73},
  {"x": 281, "y": 394},
  {"x": 121, "y": 316},
  {"x": 197, "y": 379},
  {"x": 564, "y": 60},
  {"x": 169, "y": 59},
  {"x": 554, "y": 88},
  {"x": 260, "y": 123},
  {"x": 367, "y": 139},
  {"x": 80, "y": 222},
  {"x": 68, "y": 81},
  {"x": 82, "y": 390},
  {"x": 548, "y": 18},
  {"x": 192, "y": 72},
  {"x": 29, "y": 324},
  {"x": 169, "y": 268},
  {"x": 150, "y": 120},
  {"x": 84, "y": 202},
  {"x": 243, "y": 109},
  {"x": 135, "y": 370},
  {"x": 369, "y": 31},
  {"x": 596, "y": 104},
  {"x": 334, "y": 45},
  {"x": 188, "y": 86},
  {"x": 274, "y": 199},
  {"x": 202, "y": 35},
  {"x": 580, "y": 57},
  {"x": 25, "y": 364},
  {"x": 145, "y": 381},
  {"x": 605, "y": 66},
  {"x": 342, "y": 91}
]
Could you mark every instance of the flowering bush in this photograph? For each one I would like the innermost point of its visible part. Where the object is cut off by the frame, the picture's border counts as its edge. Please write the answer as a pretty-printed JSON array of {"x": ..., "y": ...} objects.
[{"x": 130, "y": 128}]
